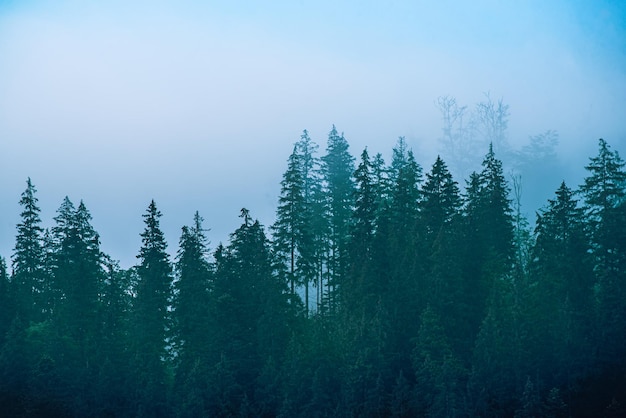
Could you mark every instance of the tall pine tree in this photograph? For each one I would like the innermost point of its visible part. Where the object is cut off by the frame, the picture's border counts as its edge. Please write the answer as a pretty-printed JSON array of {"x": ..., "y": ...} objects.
[
  {"x": 152, "y": 315},
  {"x": 562, "y": 283},
  {"x": 28, "y": 260},
  {"x": 78, "y": 272},
  {"x": 604, "y": 191},
  {"x": 337, "y": 169},
  {"x": 192, "y": 294},
  {"x": 487, "y": 239}
]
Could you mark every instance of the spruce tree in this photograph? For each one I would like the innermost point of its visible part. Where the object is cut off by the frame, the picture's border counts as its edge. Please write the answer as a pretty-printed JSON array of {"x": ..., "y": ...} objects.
[
  {"x": 404, "y": 263},
  {"x": 495, "y": 207},
  {"x": 297, "y": 230},
  {"x": 488, "y": 237},
  {"x": 78, "y": 272},
  {"x": 337, "y": 169},
  {"x": 151, "y": 315},
  {"x": 381, "y": 184},
  {"x": 249, "y": 297},
  {"x": 27, "y": 277},
  {"x": 288, "y": 228},
  {"x": 440, "y": 201},
  {"x": 562, "y": 283},
  {"x": 311, "y": 236},
  {"x": 405, "y": 177},
  {"x": 192, "y": 294},
  {"x": 604, "y": 191},
  {"x": 439, "y": 223},
  {"x": 358, "y": 286}
]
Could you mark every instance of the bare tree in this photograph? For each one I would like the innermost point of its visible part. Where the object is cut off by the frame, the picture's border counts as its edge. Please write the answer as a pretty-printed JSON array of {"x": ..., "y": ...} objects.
[
  {"x": 458, "y": 143},
  {"x": 491, "y": 120}
]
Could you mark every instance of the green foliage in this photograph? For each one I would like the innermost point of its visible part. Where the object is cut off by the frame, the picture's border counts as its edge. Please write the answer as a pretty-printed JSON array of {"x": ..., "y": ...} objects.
[
  {"x": 428, "y": 303},
  {"x": 191, "y": 296},
  {"x": 337, "y": 171},
  {"x": 604, "y": 191},
  {"x": 78, "y": 273},
  {"x": 440, "y": 376},
  {"x": 151, "y": 315},
  {"x": 7, "y": 306},
  {"x": 28, "y": 276},
  {"x": 300, "y": 224}
]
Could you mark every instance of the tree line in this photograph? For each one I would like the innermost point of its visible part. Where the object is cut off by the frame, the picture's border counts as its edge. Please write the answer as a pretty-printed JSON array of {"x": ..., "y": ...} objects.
[{"x": 379, "y": 290}]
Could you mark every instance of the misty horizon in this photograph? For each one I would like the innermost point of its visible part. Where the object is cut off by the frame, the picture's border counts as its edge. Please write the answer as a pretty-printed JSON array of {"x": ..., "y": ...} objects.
[
  {"x": 94, "y": 98},
  {"x": 313, "y": 208}
]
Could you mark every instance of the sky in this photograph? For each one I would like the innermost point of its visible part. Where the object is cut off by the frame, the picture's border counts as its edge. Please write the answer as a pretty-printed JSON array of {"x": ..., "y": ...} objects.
[{"x": 196, "y": 104}]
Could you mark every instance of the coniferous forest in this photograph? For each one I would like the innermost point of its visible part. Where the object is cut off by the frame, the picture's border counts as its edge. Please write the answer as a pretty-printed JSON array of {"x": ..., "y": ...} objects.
[{"x": 381, "y": 289}]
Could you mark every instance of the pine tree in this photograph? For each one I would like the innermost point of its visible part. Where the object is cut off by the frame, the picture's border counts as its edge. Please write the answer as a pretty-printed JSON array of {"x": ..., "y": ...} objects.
[
  {"x": 151, "y": 314},
  {"x": 604, "y": 191},
  {"x": 381, "y": 183},
  {"x": 440, "y": 201},
  {"x": 405, "y": 177},
  {"x": 358, "y": 287},
  {"x": 488, "y": 237},
  {"x": 495, "y": 206},
  {"x": 287, "y": 231},
  {"x": 562, "y": 286},
  {"x": 337, "y": 169},
  {"x": 250, "y": 298},
  {"x": 297, "y": 230},
  {"x": 400, "y": 261},
  {"x": 28, "y": 278},
  {"x": 192, "y": 294},
  {"x": 604, "y": 188},
  {"x": 439, "y": 222},
  {"x": 78, "y": 272},
  {"x": 363, "y": 226},
  {"x": 313, "y": 225}
]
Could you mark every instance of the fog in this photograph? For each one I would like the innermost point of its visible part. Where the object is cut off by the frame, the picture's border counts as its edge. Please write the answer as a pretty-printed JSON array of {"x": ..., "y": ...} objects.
[{"x": 197, "y": 106}]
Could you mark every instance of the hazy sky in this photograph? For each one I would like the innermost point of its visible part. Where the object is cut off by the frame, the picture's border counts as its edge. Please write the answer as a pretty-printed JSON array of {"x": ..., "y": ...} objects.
[{"x": 197, "y": 103}]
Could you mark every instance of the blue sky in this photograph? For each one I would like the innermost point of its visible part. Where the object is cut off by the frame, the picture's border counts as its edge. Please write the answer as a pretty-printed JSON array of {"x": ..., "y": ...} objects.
[{"x": 197, "y": 104}]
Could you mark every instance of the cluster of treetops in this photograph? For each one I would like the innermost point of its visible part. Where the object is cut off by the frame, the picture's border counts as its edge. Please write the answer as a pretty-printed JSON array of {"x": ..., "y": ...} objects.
[{"x": 380, "y": 290}]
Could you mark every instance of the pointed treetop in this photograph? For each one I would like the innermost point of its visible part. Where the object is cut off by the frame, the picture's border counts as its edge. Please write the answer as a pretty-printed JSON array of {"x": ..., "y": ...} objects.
[{"x": 245, "y": 214}]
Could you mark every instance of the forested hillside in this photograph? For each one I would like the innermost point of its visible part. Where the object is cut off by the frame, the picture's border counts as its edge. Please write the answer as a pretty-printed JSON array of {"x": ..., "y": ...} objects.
[{"x": 381, "y": 289}]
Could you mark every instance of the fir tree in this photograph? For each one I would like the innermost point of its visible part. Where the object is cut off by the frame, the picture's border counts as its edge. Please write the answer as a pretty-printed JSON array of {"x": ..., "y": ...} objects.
[
  {"x": 28, "y": 278},
  {"x": 398, "y": 257},
  {"x": 440, "y": 201},
  {"x": 152, "y": 315},
  {"x": 488, "y": 237},
  {"x": 604, "y": 191},
  {"x": 406, "y": 176},
  {"x": 358, "y": 286},
  {"x": 252, "y": 300},
  {"x": 78, "y": 272},
  {"x": 562, "y": 286},
  {"x": 287, "y": 231},
  {"x": 439, "y": 222},
  {"x": 313, "y": 228},
  {"x": 337, "y": 169},
  {"x": 297, "y": 230},
  {"x": 192, "y": 293}
]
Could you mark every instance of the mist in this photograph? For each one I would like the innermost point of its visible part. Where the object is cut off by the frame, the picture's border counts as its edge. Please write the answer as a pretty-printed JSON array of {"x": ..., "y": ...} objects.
[
  {"x": 198, "y": 106},
  {"x": 312, "y": 208}
]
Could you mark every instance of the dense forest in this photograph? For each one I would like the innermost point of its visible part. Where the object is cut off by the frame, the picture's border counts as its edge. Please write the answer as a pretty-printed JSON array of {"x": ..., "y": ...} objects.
[{"x": 380, "y": 290}]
